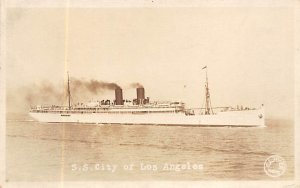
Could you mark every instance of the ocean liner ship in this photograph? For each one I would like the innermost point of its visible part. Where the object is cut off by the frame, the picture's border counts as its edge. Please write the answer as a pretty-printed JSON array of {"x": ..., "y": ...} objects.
[{"x": 142, "y": 111}]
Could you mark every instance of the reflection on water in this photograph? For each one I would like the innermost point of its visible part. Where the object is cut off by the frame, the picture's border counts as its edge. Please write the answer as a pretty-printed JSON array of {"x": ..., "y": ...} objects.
[{"x": 78, "y": 152}]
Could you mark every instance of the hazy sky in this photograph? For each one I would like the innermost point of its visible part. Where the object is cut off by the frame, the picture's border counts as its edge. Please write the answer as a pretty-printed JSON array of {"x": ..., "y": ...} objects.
[{"x": 249, "y": 52}]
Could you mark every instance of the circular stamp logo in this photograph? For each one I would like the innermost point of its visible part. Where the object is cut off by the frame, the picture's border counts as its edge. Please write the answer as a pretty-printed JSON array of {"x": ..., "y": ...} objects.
[{"x": 275, "y": 166}]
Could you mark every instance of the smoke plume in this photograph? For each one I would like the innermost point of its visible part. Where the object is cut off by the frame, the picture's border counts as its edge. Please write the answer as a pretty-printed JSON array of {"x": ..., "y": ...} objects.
[
  {"x": 136, "y": 85},
  {"x": 93, "y": 86},
  {"x": 46, "y": 93}
]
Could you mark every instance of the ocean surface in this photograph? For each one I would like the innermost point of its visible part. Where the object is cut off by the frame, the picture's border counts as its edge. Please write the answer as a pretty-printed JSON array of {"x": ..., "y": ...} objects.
[{"x": 89, "y": 152}]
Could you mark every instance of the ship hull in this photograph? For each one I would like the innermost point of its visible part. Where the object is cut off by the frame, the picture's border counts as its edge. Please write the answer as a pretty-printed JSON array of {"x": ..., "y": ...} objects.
[{"x": 248, "y": 118}]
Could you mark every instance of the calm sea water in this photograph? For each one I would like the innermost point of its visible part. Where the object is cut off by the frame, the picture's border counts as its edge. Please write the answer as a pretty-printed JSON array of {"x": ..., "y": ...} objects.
[{"x": 77, "y": 152}]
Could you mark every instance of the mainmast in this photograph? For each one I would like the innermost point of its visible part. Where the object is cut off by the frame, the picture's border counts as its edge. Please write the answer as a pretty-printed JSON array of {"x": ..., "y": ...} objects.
[
  {"x": 69, "y": 93},
  {"x": 208, "y": 107}
]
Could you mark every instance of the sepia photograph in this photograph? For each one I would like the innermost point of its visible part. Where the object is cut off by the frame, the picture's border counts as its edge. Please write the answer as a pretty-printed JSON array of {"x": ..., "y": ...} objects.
[{"x": 149, "y": 93}]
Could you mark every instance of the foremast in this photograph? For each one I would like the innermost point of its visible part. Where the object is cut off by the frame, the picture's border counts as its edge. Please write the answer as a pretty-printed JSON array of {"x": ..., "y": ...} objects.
[
  {"x": 208, "y": 106},
  {"x": 69, "y": 93}
]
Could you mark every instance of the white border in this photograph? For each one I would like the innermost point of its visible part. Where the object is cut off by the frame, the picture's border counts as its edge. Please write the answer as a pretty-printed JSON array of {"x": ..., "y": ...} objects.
[
  {"x": 150, "y": 3},
  {"x": 2, "y": 91}
]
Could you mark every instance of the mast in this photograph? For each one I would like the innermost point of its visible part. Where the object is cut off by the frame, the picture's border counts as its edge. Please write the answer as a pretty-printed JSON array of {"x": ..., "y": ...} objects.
[
  {"x": 69, "y": 93},
  {"x": 208, "y": 107}
]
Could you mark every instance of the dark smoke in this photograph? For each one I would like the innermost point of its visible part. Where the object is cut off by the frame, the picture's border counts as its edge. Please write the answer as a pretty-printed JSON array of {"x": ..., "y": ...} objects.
[
  {"x": 136, "y": 85},
  {"x": 93, "y": 86},
  {"x": 46, "y": 93}
]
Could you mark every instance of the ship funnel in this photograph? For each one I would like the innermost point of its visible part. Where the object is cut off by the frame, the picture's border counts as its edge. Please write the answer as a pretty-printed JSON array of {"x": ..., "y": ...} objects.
[
  {"x": 119, "y": 96},
  {"x": 140, "y": 92}
]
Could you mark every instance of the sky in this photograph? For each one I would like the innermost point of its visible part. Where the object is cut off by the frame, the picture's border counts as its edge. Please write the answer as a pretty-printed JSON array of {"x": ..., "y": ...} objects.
[{"x": 249, "y": 53}]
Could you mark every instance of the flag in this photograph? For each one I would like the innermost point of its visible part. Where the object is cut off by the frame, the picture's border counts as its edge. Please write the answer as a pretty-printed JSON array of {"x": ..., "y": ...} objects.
[{"x": 204, "y": 67}]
